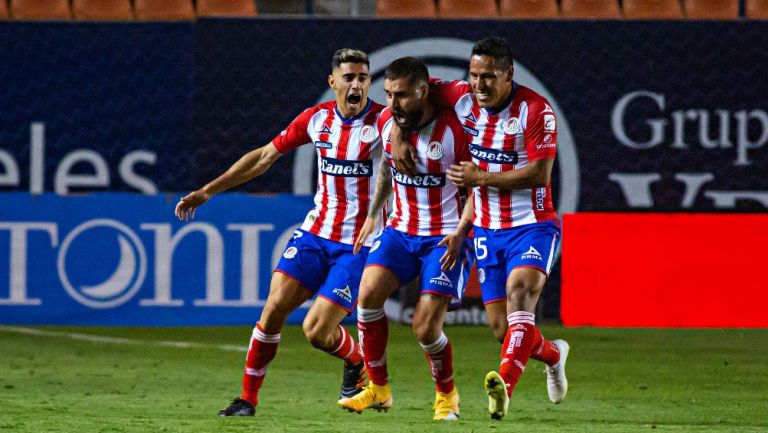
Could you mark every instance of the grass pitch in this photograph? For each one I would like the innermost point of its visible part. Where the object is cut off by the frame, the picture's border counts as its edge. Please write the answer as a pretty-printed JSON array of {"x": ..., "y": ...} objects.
[{"x": 620, "y": 380}]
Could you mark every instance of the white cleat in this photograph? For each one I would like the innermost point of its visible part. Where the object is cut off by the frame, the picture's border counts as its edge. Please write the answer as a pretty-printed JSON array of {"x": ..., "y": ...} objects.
[
  {"x": 498, "y": 400},
  {"x": 557, "y": 383}
]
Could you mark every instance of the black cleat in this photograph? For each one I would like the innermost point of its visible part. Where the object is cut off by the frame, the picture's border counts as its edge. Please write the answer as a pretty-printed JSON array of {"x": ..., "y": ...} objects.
[
  {"x": 238, "y": 407},
  {"x": 353, "y": 381}
]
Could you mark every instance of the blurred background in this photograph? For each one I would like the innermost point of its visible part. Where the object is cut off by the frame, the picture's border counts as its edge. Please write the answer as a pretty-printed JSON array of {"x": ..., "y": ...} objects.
[{"x": 110, "y": 110}]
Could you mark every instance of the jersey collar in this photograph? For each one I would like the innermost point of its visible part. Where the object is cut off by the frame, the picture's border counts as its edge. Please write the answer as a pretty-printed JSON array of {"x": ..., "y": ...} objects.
[
  {"x": 347, "y": 121},
  {"x": 506, "y": 103}
]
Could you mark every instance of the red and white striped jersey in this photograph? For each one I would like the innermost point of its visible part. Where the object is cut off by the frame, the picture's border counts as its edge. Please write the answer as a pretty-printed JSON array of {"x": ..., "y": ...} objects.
[
  {"x": 349, "y": 152},
  {"x": 428, "y": 204},
  {"x": 525, "y": 130}
]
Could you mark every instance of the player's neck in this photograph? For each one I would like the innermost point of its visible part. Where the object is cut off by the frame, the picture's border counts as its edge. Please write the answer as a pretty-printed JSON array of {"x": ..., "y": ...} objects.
[{"x": 426, "y": 117}]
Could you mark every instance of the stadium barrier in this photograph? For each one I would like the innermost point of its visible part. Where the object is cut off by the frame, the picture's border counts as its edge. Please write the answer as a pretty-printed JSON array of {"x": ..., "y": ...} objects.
[
  {"x": 665, "y": 270},
  {"x": 649, "y": 119}
]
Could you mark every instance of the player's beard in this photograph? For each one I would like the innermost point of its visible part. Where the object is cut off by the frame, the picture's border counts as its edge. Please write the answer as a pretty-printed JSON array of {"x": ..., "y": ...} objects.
[{"x": 410, "y": 119}]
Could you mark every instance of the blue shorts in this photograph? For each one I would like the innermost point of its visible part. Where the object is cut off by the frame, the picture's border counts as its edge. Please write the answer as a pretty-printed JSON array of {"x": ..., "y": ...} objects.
[
  {"x": 410, "y": 256},
  {"x": 326, "y": 268},
  {"x": 498, "y": 252}
]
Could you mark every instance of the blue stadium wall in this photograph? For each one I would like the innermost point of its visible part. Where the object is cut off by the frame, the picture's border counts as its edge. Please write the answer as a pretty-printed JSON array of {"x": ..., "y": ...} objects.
[{"x": 123, "y": 118}]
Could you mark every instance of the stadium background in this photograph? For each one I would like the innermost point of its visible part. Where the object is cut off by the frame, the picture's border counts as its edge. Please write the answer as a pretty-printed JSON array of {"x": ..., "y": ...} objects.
[{"x": 663, "y": 117}]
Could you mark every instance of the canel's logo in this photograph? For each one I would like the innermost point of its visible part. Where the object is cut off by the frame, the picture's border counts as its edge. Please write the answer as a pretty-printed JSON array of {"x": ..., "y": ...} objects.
[
  {"x": 441, "y": 55},
  {"x": 121, "y": 281}
]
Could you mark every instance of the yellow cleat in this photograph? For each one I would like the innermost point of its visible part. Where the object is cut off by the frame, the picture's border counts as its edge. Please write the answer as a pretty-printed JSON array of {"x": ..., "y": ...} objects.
[
  {"x": 372, "y": 396},
  {"x": 498, "y": 400},
  {"x": 446, "y": 406}
]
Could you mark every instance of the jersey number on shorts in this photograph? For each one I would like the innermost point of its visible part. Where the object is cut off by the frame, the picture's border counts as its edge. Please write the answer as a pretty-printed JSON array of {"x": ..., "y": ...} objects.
[{"x": 481, "y": 251}]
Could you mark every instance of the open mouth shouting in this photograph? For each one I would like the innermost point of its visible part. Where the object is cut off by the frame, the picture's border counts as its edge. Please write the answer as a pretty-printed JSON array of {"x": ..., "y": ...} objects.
[{"x": 355, "y": 101}]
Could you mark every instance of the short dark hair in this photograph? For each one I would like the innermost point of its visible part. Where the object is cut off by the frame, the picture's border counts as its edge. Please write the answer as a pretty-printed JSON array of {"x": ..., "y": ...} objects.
[
  {"x": 349, "y": 55},
  {"x": 410, "y": 67},
  {"x": 495, "y": 47}
]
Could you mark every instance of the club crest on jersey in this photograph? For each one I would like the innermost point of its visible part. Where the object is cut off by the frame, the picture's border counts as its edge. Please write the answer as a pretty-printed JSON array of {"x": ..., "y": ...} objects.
[
  {"x": 435, "y": 151},
  {"x": 367, "y": 134},
  {"x": 290, "y": 252},
  {"x": 549, "y": 123},
  {"x": 511, "y": 126},
  {"x": 493, "y": 155}
]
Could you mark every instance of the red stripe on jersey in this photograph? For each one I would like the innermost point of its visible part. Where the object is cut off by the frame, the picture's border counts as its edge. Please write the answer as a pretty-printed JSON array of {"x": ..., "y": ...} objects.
[
  {"x": 340, "y": 184},
  {"x": 364, "y": 188},
  {"x": 505, "y": 195},
  {"x": 318, "y": 224},
  {"x": 412, "y": 198},
  {"x": 487, "y": 142}
]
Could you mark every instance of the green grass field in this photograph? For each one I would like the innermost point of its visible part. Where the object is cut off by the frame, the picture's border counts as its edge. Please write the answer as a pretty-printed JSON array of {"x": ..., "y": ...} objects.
[{"x": 620, "y": 380}]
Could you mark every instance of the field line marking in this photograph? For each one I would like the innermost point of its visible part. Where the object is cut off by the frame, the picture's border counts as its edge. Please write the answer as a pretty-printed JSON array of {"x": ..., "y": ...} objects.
[{"x": 118, "y": 340}]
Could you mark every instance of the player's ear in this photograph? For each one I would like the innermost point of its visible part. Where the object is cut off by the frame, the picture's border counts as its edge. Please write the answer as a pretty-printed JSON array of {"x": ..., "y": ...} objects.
[
  {"x": 331, "y": 81},
  {"x": 424, "y": 88},
  {"x": 510, "y": 72}
]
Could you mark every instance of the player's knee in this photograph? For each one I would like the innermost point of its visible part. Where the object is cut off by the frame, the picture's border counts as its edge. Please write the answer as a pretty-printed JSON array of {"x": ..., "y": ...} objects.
[
  {"x": 425, "y": 331},
  {"x": 317, "y": 336}
]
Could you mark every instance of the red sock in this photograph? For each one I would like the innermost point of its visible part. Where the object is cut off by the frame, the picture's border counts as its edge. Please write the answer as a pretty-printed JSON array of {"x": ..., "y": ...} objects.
[
  {"x": 440, "y": 357},
  {"x": 346, "y": 348},
  {"x": 261, "y": 351},
  {"x": 545, "y": 350},
  {"x": 373, "y": 331},
  {"x": 518, "y": 343}
]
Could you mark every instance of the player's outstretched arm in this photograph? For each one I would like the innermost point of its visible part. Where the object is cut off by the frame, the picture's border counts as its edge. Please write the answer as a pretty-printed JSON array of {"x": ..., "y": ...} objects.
[
  {"x": 380, "y": 197},
  {"x": 249, "y": 166},
  {"x": 455, "y": 240},
  {"x": 403, "y": 154},
  {"x": 534, "y": 175}
]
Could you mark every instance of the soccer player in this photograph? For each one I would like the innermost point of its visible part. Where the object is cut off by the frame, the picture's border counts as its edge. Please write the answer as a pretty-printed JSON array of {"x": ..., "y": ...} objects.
[
  {"x": 319, "y": 258},
  {"x": 512, "y": 132},
  {"x": 421, "y": 239}
]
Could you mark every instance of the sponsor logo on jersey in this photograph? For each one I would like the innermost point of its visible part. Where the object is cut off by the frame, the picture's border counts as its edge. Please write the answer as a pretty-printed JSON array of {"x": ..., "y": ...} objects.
[
  {"x": 541, "y": 193},
  {"x": 290, "y": 252},
  {"x": 297, "y": 234},
  {"x": 441, "y": 280},
  {"x": 323, "y": 144},
  {"x": 367, "y": 134},
  {"x": 421, "y": 180},
  {"x": 531, "y": 254},
  {"x": 324, "y": 130},
  {"x": 345, "y": 293},
  {"x": 470, "y": 130},
  {"x": 549, "y": 123},
  {"x": 470, "y": 117},
  {"x": 547, "y": 109},
  {"x": 493, "y": 155},
  {"x": 435, "y": 151},
  {"x": 345, "y": 168},
  {"x": 548, "y": 138},
  {"x": 511, "y": 126}
]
